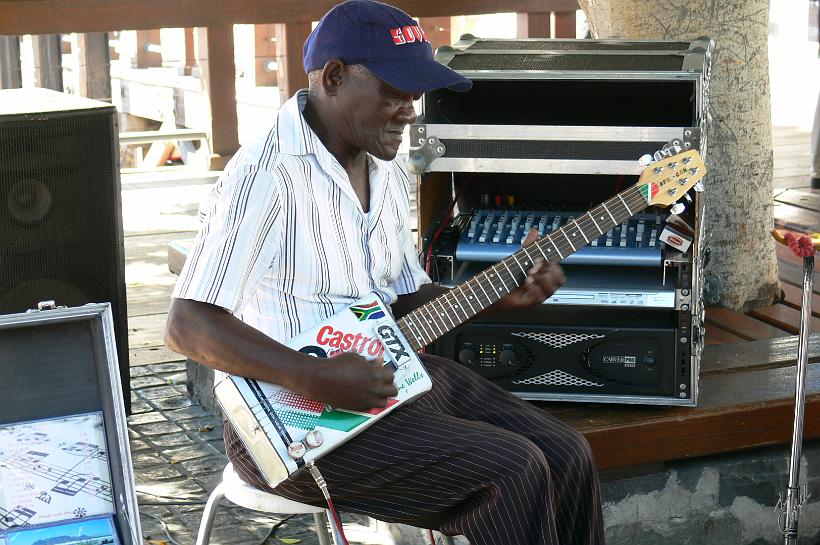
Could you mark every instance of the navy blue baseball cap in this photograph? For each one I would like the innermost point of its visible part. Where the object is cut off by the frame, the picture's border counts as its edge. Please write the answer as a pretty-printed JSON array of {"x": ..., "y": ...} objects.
[{"x": 385, "y": 40}]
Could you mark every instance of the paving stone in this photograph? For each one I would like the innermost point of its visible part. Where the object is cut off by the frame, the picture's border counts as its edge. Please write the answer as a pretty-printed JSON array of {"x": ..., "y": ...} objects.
[
  {"x": 145, "y": 418},
  {"x": 140, "y": 406},
  {"x": 138, "y": 445},
  {"x": 157, "y": 428},
  {"x": 203, "y": 466},
  {"x": 194, "y": 411},
  {"x": 170, "y": 403},
  {"x": 189, "y": 452},
  {"x": 143, "y": 382},
  {"x": 140, "y": 371},
  {"x": 170, "y": 440},
  {"x": 161, "y": 392},
  {"x": 175, "y": 378},
  {"x": 169, "y": 367},
  {"x": 143, "y": 459},
  {"x": 204, "y": 424},
  {"x": 160, "y": 473},
  {"x": 209, "y": 436},
  {"x": 182, "y": 490}
]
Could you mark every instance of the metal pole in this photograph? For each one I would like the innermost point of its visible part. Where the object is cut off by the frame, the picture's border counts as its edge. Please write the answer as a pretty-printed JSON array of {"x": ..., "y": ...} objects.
[
  {"x": 795, "y": 495},
  {"x": 11, "y": 76}
]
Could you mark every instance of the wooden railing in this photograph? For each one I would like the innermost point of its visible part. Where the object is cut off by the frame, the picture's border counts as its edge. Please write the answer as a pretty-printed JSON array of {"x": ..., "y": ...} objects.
[{"x": 213, "y": 20}]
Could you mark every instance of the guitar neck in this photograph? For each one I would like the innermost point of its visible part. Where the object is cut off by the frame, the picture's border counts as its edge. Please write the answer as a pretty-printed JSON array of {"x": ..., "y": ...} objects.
[{"x": 444, "y": 313}]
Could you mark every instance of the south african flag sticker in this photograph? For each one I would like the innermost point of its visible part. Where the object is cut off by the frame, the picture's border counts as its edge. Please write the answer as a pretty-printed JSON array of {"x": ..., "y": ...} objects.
[{"x": 371, "y": 311}]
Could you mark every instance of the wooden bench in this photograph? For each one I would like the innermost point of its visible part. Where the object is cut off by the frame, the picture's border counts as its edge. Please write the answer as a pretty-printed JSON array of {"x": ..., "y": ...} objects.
[{"x": 746, "y": 400}]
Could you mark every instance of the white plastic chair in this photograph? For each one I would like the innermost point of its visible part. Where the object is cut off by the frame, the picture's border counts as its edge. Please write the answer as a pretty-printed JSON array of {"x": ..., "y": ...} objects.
[{"x": 245, "y": 495}]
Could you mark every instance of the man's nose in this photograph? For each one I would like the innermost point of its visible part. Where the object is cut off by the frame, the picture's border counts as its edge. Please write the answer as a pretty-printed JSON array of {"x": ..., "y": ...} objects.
[{"x": 407, "y": 113}]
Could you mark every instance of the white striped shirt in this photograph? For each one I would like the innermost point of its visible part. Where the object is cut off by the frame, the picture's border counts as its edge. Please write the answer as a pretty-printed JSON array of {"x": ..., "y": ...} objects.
[{"x": 285, "y": 243}]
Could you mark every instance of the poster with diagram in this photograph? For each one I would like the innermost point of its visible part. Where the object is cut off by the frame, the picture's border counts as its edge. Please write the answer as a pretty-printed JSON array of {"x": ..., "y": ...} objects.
[{"x": 53, "y": 470}]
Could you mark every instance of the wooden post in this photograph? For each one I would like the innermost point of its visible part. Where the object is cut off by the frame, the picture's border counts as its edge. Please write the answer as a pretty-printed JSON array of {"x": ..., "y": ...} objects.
[
  {"x": 438, "y": 30},
  {"x": 565, "y": 24},
  {"x": 264, "y": 54},
  {"x": 291, "y": 72},
  {"x": 95, "y": 66},
  {"x": 215, "y": 56},
  {"x": 146, "y": 39},
  {"x": 11, "y": 76},
  {"x": 48, "y": 63},
  {"x": 533, "y": 25},
  {"x": 190, "y": 51}
]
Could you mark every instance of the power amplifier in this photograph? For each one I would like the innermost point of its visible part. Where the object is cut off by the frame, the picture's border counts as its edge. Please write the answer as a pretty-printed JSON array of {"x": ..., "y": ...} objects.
[{"x": 624, "y": 363}]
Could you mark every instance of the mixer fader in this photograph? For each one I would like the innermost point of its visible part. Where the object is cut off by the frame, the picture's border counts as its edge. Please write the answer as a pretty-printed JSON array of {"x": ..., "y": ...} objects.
[{"x": 494, "y": 234}]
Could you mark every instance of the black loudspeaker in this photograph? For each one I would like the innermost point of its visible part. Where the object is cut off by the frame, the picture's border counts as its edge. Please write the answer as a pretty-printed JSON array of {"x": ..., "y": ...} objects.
[{"x": 61, "y": 235}]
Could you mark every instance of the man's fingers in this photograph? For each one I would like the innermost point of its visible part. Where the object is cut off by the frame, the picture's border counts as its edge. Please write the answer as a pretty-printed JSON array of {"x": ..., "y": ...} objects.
[{"x": 531, "y": 236}]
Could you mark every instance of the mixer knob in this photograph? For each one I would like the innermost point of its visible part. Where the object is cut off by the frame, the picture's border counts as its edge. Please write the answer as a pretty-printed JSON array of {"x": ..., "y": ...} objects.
[
  {"x": 507, "y": 357},
  {"x": 466, "y": 356}
]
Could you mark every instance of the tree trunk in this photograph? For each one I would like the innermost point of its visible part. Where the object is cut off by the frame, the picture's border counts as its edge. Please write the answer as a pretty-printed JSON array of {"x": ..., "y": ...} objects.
[{"x": 738, "y": 192}]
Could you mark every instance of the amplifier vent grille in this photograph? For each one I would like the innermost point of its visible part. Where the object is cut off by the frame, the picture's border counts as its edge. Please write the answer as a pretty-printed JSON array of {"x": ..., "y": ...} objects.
[
  {"x": 556, "y": 378},
  {"x": 557, "y": 340}
]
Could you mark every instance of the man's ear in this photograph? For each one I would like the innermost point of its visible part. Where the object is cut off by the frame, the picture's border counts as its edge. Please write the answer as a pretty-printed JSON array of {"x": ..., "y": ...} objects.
[{"x": 333, "y": 74}]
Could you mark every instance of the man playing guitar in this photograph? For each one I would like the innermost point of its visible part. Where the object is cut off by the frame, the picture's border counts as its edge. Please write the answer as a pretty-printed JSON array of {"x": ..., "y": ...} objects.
[{"x": 312, "y": 216}]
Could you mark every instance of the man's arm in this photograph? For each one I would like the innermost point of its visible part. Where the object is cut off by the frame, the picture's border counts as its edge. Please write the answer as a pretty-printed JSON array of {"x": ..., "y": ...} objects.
[{"x": 214, "y": 337}]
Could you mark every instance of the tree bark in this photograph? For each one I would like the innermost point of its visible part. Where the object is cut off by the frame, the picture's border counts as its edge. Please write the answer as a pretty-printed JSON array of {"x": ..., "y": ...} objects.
[{"x": 738, "y": 192}]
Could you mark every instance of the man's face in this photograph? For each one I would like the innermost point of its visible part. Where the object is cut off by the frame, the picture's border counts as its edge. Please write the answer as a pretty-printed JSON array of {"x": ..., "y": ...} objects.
[{"x": 374, "y": 114}]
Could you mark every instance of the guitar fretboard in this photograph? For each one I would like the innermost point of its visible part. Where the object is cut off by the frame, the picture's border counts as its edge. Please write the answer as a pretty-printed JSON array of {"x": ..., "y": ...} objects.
[{"x": 432, "y": 320}]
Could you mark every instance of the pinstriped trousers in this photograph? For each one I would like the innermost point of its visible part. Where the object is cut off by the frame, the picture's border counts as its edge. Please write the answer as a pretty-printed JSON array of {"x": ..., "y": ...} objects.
[{"x": 468, "y": 458}]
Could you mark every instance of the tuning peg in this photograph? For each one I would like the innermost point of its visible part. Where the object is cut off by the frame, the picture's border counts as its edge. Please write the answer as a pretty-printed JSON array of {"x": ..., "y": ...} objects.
[
  {"x": 688, "y": 198},
  {"x": 658, "y": 155},
  {"x": 673, "y": 147},
  {"x": 645, "y": 160},
  {"x": 677, "y": 208},
  {"x": 698, "y": 187}
]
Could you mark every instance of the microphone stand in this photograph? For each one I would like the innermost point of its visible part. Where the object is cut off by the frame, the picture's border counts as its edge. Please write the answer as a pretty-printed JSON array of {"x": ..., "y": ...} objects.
[{"x": 796, "y": 495}]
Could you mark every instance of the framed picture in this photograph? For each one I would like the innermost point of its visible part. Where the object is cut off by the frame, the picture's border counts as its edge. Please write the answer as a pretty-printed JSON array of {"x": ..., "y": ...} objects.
[{"x": 95, "y": 531}]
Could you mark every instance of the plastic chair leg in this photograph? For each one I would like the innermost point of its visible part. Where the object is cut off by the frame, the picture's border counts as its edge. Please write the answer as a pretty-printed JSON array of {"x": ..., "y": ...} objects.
[
  {"x": 321, "y": 520},
  {"x": 208, "y": 515}
]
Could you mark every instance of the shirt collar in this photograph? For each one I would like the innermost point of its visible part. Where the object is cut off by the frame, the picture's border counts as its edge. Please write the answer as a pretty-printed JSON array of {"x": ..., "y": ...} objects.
[{"x": 297, "y": 138}]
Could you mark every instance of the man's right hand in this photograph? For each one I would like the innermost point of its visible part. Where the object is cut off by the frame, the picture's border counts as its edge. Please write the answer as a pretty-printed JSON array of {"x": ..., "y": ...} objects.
[{"x": 349, "y": 381}]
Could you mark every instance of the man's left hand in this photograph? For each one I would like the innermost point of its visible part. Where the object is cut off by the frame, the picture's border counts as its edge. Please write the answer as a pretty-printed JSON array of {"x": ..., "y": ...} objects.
[{"x": 542, "y": 280}]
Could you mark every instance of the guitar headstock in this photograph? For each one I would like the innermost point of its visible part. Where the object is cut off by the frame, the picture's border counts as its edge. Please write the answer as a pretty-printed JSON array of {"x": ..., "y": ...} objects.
[{"x": 669, "y": 178}]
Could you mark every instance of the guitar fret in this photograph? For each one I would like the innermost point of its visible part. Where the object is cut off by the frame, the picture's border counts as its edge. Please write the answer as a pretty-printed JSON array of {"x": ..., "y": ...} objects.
[
  {"x": 614, "y": 221},
  {"x": 489, "y": 299},
  {"x": 419, "y": 334},
  {"x": 431, "y": 319},
  {"x": 523, "y": 270},
  {"x": 557, "y": 251},
  {"x": 461, "y": 287},
  {"x": 581, "y": 230},
  {"x": 625, "y": 206},
  {"x": 444, "y": 310},
  {"x": 566, "y": 236},
  {"x": 512, "y": 276},
  {"x": 452, "y": 300},
  {"x": 492, "y": 284},
  {"x": 422, "y": 326},
  {"x": 593, "y": 221}
]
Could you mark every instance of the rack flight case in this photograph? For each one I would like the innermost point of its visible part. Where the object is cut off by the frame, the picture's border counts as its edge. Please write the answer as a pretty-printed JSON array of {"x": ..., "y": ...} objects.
[{"x": 553, "y": 127}]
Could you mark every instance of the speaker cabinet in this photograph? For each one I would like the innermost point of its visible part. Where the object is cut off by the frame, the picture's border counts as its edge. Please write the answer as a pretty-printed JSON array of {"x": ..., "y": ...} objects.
[{"x": 61, "y": 235}]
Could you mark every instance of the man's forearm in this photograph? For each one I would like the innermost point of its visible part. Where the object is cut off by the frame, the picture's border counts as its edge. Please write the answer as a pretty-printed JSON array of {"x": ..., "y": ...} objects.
[{"x": 212, "y": 336}]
